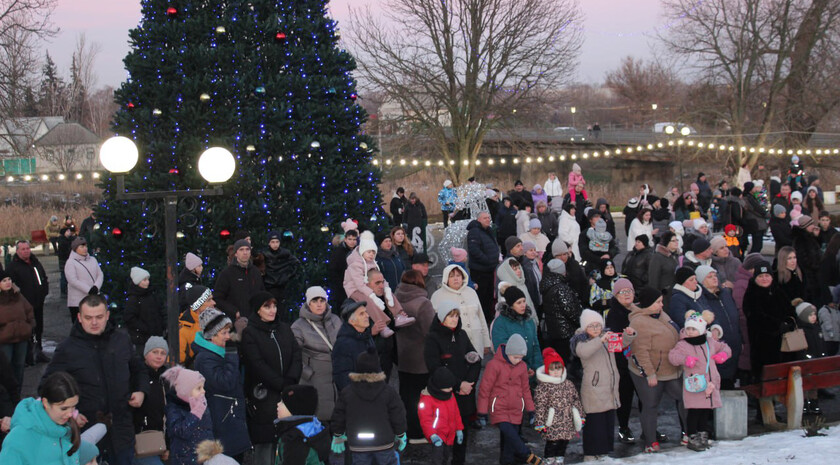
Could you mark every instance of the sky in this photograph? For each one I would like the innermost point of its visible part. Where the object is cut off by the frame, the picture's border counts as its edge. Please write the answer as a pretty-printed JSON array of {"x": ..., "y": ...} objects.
[{"x": 613, "y": 29}]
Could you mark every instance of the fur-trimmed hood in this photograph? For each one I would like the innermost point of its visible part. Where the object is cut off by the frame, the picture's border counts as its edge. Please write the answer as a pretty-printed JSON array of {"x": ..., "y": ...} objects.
[
  {"x": 367, "y": 377},
  {"x": 544, "y": 377}
]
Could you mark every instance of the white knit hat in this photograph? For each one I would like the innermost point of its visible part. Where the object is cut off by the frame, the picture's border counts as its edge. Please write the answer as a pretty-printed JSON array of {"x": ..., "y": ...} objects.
[
  {"x": 367, "y": 242},
  {"x": 138, "y": 275},
  {"x": 191, "y": 261},
  {"x": 698, "y": 321},
  {"x": 587, "y": 317}
]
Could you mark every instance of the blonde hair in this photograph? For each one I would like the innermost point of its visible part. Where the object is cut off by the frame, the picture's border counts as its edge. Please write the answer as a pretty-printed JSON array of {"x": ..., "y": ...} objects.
[{"x": 785, "y": 275}]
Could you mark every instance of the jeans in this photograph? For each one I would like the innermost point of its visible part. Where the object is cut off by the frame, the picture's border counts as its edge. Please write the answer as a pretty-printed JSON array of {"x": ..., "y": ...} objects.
[
  {"x": 513, "y": 447},
  {"x": 382, "y": 457},
  {"x": 16, "y": 353}
]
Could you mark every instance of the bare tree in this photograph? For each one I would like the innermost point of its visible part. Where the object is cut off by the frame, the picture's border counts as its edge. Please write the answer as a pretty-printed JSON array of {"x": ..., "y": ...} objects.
[
  {"x": 102, "y": 109},
  {"x": 458, "y": 68},
  {"x": 641, "y": 85}
]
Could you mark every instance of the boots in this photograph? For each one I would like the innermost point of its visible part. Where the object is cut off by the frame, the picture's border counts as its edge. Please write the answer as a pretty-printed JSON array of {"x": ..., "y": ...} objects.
[
  {"x": 533, "y": 459},
  {"x": 695, "y": 443},
  {"x": 704, "y": 435},
  {"x": 625, "y": 435}
]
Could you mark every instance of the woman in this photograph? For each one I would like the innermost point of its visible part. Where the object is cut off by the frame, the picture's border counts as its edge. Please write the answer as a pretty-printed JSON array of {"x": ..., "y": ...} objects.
[
  {"x": 664, "y": 262},
  {"x": 416, "y": 219},
  {"x": 402, "y": 245},
  {"x": 53, "y": 229},
  {"x": 83, "y": 276},
  {"x": 316, "y": 330},
  {"x": 17, "y": 319},
  {"x": 538, "y": 194},
  {"x": 454, "y": 288},
  {"x": 45, "y": 430},
  {"x": 829, "y": 270},
  {"x": 511, "y": 271},
  {"x": 505, "y": 222},
  {"x": 724, "y": 263},
  {"x": 813, "y": 204},
  {"x": 809, "y": 256},
  {"x": 719, "y": 300},
  {"x": 150, "y": 415},
  {"x": 561, "y": 308},
  {"x": 447, "y": 345},
  {"x": 388, "y": 260},
  {"x": 145, "y": 314},
  {"x": 788, "y": 275},
  {"x": 568, "y": 229},
  {"x": 684, "y": 206},
  {"x": 650, "y": 370},
  {"x": 641, "y": 226},
  {"x": 767, "y": 311},
  {"x": 272, "y": 361},
  {"x": 193, "y": 267},
  {"x": 412, "y": 366},
  {"x": 515, "y": 318},
  {"x": 618, "y": 318}
]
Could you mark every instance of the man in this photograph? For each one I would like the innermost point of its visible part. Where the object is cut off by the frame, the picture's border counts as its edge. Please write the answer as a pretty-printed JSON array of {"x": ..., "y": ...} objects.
[
  {"x": 379, "y": 297},
  {"x": 238, "y": 282},
  {"x": 112, "y": 378},
  {"x": 700, "y": 254},
  {"x": 446, "y": 198},
  {"x": 65, "y": 239},
  {"x": 513, "y": 245},
  {"x": 809, "y": 256},
  {"x": 420, "y": 262},
  {"x": 354, "y": 338},
  {"x": 88, "y": 225},
  {"x": 397, "y": 207},
  {"x": 783, "y": 198},
  {"x": 519, "y": 194},
  {"x": 338, "y": 265},
  {"x": 29, "y": 275},
  {"x": 483, "y": 254}
]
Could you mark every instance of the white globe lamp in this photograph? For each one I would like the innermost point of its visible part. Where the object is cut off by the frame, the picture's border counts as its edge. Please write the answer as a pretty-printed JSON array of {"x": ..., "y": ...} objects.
[
  {"x": 685, "y": 131},
  {"x": 118, "y": 154},
  {"x": 669, "y": 129},
  {"x": 216, "y": 165}
]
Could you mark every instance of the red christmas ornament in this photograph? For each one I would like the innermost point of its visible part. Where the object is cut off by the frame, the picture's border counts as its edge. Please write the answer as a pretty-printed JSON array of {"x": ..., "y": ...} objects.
[
  {"x": 130, "y": 105},
  {"x": 171, "y": 11},
  {"x": 224, "y": 233},
  {"x": 173, "y": 171},
  {"x": 353, "y": 96},
  {"x": 117, "y": 232},
  {"x": 280, "y": 37}
]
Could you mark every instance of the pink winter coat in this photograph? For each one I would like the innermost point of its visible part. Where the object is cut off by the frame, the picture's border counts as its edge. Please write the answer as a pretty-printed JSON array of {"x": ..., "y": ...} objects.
[
  {"x": 575, "y": 179},
  {"x": 355, "y": 277},
  {"x": 677, "y": 357},
  {"x": 504, "y": 392}
]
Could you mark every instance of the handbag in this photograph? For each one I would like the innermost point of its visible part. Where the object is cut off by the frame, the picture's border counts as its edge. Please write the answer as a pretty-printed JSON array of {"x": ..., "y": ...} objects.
[
  {"x": 149, "y": 443},
  {"x": 697, "y": 382},
  {"x": 794, "y": 341}
]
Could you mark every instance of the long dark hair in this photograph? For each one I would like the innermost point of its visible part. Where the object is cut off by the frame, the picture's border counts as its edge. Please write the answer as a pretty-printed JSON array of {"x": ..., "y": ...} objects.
[{"x": 57, "y": 388}]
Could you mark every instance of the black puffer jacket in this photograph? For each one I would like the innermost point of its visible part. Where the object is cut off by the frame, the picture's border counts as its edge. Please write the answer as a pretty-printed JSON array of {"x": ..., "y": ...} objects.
[
  {"x": 482, "y": 247},
  {"x": 637, "y": 266},
  {"x": 234, "y": 286},
  {"x": 349, "y": 343},
  {"x": 145, "y": 315},
  {"x": 150, "y": 415},
  {"x": 561, "y": 306},
  {"x": 337, "y": 267},
  {"x": 369, "y": 405},
  {"x": 448, "y": 348},
  {"x": 30, "y": 278},
  {"x": 280, "y": 267},
  {"x": 808, "y": 256}
]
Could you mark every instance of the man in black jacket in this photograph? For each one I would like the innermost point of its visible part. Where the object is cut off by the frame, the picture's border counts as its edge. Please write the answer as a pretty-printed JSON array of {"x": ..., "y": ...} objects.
[
  {"x": 483, "y": 252},
  {"x": 112, "y": 378},
  {"x": 238, "y": 282},
  {"x": 65, "y": 240},
  {"x": 27, "y": 272},
  {"x": 397, "y": 207}
]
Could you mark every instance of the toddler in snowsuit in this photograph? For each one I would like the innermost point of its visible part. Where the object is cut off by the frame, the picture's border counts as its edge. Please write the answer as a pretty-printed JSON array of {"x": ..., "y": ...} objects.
[
  {"x": 575, "y": 178},
  {"x": 599, "y": 238},
  {"x": 188, "y": 421},
  {"x": 559, "y": 410},
  {"x": 439, "y": 415}
]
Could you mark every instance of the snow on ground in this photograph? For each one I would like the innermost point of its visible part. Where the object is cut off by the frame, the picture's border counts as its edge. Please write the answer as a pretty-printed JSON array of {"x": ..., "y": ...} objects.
[{"x": 789, "y": 447}]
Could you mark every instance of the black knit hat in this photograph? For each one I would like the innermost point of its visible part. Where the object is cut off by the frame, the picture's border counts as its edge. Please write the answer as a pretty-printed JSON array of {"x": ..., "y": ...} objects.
[
  {"x": 381, "y": 236},
  {"x": 644, "y": 239},
  {"x": 682, "y": 275},
  {"x": 3, "y": 274},
  {"x": 259, "y": 299},
  {"x": 647, "y": 296},
  {"x": 195, "y": 295},
  {"x": 441, "y": 379},
  {"x": 700, "y": 245},
  {"x": 368, "y": 362},
  {"x": 301, "y": 399},
  {"x": 512, "y": 294},
  {"x": 666, "y": 238}
]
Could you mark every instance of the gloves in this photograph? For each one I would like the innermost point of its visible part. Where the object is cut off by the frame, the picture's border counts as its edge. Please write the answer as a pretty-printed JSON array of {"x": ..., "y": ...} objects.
[
  {"x": 539, "y": 428},
  {"x": 720, "y": 357},
  {"x": 198, "y": 405},
  {"x": 377, "y": 301},
  {"x": 338, "y": 443},
  {"x": 690, "y": 361},
  {"x": 532, "y": 417},
  {"x": 459, "y": 437},
  {"x": 389, "y": 296},
  {"x": 482, "y": 420},
  {"x": 401, "y": 441},
  {"x": 436, "y": 440}
]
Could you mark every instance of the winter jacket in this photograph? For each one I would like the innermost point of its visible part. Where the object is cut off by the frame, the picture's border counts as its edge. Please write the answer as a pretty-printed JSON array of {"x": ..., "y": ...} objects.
[
  {"x": 144, "y": 316},
  {"x": 794, "y": 288},
  {"x": 82, "y": 273},
  {"x": 280, "y": 267},
  {"x": 187, "y": 328},
  {"x": 637, "y": 228},
  {"x": 303, "y": 440},
  {"x": 369, "y": 405},
  {"x": 568, "y": 230},
  {"x": 533, "y": 274},
  {"x": 550, "y": 221},
  {"x": 813, "y": 337},
  {"x": 561, "y": 306},
  {"x": 446, "y": 198},
  {"x": 451, "y": 348},
  {"x": 754, "y": 215},
  {"x": 690, "y": 261},
  {"x": 742, "y": 279},
  {"x": 782, "y": 232},
  {"x": 505, "y": 273},
  {"x": 599, "y": 386},
  {"x": 769, "y": 314},
  {"x": 505, "y": 223},
  {"x": 540, "y": 240},
  {"x": 703, "y": 348},
  {"x": 808, "y": 256},
  {"x": 397, "y": 208},
  {"x": 830, "y": 323},
  {"x": 726, "y": 267},
  {"x": 415, "y": 216},
  {"x": 225, "y": 399},
  {"x": 576, "y": 277},
  {"x": 637, "y": 266},
  {"x": 30, "y": 278},
  {"x": 553, "y": 188},
  {"x": 722, "y": 305},
  {"x": 336, "y": 268},
  {"x": 234, "y": 287},
  {"x": 391, "y": 266},
  {"x": 504, "y": 393},
  {"x": 683, "y": 300},
  {"x": 185, "y": 431},
  {"x": 521, "y": 197},
  {"x": 316, "y": 355},
  {"x": 439, "y": 417},
  {"x": 472, "y": 316},
  {"x": 150, "y": 415},
  {"x": 556, "y": 399},
  {"x": 108, "y": 370},
  {"x": 659, "y": 220},
  {"x": 187, "y": 276},
  {"x": 355, "y": 277},
  {"x": 656, "y": 335},
  {"x": 523, "y": 218},
  {"x": 482, "y": 247},
  {"x": 35, "y": 439},
  {"x": 415, "y": 304},
  {"x": 662, "y": 269},
  {"x": 272, "y": 360},
  {"x": 509, "y": 323},
  {"x": 17, "y": 318},
  {"x": 829, "y": 276},
  {"x": 349, "y": 343}
]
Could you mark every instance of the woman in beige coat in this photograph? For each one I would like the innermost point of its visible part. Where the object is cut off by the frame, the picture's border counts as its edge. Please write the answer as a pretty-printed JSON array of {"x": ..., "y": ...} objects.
[{"x": 454, "y": 288}]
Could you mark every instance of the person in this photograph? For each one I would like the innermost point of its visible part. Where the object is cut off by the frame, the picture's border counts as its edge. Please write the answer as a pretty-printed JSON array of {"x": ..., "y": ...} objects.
[
  {"x": 197, "y": 299},
  {"x": 511, "y": 271},
  {"x": 599, "y": 238},
  {"x": 338, "y": 263},
  {"x": 53, "y": 228},
  {"x": 809, "y": 256},
  {"x": 561, "y": 308},
  {"x": 580, "y": 202},
  {"x": 505, "y": 223},
  {"x": 538, "y": 195},
  {"x": 789, "y": 275},
  {"x": 601, "y": 288},
  {"x": 617, "y": 318},
  {"x": 504, "y": 396},
  {"x": 145, "y": 315},
  {"x": 576, "y": 179},
  {"x": 369, "y": 405},
  {"x": 397, "y": 207},
  {"x": 188, "y": 420},
  {"x": 281, "y": 268},
  {"x": 684, "y": 206},
  {"x": 685, "y": 295},
  {"x": 459, "y": 257},
  {"x": 402, "y": 245},
  {"x": 559, "y": 411},
  {"x": 574, "y": 271},
  {"x": 316, "y": 331},
  {"x": 519, "y": 195},
  {"x": 83, "y": 276},
  {"x": 354, "y": 337},
  {"x": 699, "y": 354},
  {"x": 663, "y": 263},
  {"x": 704, "y": 198},
  {"x": 110, "y": 373},
  {"x": 631, "y": 210},
  {"x": 272, "y": 360},
  {"x": 549, "y": 220},
  {"x": 829, "y": 316},
  {"x": 700, "y": 254},
  {"x": 599, "y": 387},
  {"x": 568, "y": 229},
  {"x": 535, "y": 235},
  {"x": 225, "y": 398},
  {"x": 532, "y": 269},
  {"x": 68, "y": 235},
  {"x": 413, "y": 372},
  {"x": 724, "y": 263},
  {"x": 301, "y": 436},
  {"x": 780, "y": 228},
  {"x": 421, "y": 262},
  {"x": 641, "y": 225},
  {"x": 806, "y": 315},
  {"x": 591, "y": 256},
  {"x": 395, "y": 317},
  {"x": 483, "y": 252},
  {"x": 193, "y": 267},
  {"x": 439, "y": 415},
  {"x": 29, "y": 275},
  {"x": 768, "y": 311},
  {"x": 660, "y": 218},
  {"x": 416, "y": 219},
  {"x": 235, "y": 285},
  {"x": 515, "y": 318},
  {"x": 553, "y": 189},
  {"x": 754, "y": 220},
  {"x": 446, "y": 198},
  {"x": 356, "y": 282},
  {"x": 17, "y": 320},
  {"x": 719, "y": 300},
  {"x": 388, "y": 260},
  {"x": 731, "y": 234},
  {"x": 651, "y": 371},
  {"x": 813, "y": 204},
  {"x": 636, "y": 264},
  {"x": 150, "y": 416}
]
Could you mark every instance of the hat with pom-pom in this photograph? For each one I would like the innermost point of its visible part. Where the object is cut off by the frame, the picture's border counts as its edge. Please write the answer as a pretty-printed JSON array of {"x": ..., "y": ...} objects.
[
  {"x": 367, "y": 242},
  {"x": 698, "y": 320},
  {"x": 182, "y": 380},
  {"x": 458, "y": 254}
]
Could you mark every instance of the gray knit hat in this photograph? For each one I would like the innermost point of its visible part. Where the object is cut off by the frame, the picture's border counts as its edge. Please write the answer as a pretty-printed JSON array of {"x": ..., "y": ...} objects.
[
  {"x": 212, "y": 321},
  {"x": 516, "y": 346},
  {"x": 138, "y": 275},
  {"x": 155, "y": 342},
  {"x": 445, "y": 308},
  {"x": 557, "y": 266},
  {"x": 778, "y": 209}
]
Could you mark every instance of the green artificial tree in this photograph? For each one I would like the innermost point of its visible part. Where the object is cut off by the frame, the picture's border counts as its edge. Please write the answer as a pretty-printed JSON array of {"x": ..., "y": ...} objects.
[{"x": 266, "y": 80}]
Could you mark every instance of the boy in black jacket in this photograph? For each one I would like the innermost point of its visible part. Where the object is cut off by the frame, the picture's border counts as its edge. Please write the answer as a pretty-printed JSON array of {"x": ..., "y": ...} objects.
[{"x": 301, "y": 437}]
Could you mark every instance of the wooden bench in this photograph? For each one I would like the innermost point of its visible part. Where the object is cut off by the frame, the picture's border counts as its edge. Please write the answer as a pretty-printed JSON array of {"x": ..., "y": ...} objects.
[
  {"x": 788, "y": 381},
  {"x": 39, "y": 237}
]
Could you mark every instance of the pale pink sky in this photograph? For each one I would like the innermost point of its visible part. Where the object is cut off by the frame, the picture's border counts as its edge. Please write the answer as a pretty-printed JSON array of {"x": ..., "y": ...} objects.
[{"x": 613, "y": 29}]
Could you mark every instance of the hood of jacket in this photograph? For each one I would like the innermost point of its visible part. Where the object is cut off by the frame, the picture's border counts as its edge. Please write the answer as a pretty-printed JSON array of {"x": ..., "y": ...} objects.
[
  {"x": 662, "y": 250},
  {"x": 75, "y": 256},
  {"x": 507, "y": 311},
  {"x": 694, "y": 295},
  {"x": 445, "y": 278},
  {"x": 368, "y": 386},
  {"x": 254, "y": 321},
  {"x": 306, "y": 313},
  {"x": 30, "y": 415},
  {"x": 408, "y": 292},
  {"x": 544, "y": 377},
  {"x": 505, "y": 273}
]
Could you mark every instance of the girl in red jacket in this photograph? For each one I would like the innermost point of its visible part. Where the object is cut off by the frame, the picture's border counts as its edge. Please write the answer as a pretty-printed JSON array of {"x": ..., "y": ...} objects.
[
  {"x": 439, "y": 415},
  {"x": 505, "y": 395}
]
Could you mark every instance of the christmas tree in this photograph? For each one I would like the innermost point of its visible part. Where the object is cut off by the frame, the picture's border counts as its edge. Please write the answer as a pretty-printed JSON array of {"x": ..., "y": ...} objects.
[{"x": 266, "y": 80}]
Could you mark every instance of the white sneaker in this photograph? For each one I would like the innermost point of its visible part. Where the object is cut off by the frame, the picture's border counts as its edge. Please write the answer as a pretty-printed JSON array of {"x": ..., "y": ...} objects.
[
  {"x": 387, "y": 332},
  {"x": 403, "y": 320}
]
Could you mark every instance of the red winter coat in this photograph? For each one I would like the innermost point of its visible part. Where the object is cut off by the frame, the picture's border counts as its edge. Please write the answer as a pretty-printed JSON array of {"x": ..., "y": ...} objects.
[
  {"x": 440, "y": 417},
  {"x": 504, "y": 392},
  {"x": 677, "y": 357}
]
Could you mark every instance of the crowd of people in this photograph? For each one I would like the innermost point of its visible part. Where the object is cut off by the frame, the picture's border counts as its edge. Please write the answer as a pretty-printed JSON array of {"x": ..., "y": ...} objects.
[{"x": 533, "y": 324}]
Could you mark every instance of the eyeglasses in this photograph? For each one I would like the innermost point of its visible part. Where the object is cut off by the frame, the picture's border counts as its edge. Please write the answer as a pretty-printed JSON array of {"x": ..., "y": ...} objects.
[{"x": 625, "y": 292}]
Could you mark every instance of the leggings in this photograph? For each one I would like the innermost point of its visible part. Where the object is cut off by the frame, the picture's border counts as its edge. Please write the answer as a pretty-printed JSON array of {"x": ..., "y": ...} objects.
[
  {"x": 555, "y": 448},
  {"x": 626, "y": 390},
  {"x": 697, "y": 419}
]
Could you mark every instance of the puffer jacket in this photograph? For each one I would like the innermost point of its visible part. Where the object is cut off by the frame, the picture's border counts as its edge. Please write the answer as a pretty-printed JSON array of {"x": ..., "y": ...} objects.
[
  {"x": 355, "y": 276},
  {"x": 509, "y": 323},
  {"x": 662, "y": 269},
  {"x": 683, "y": 300},
  {"x": 556, "y": 399},
  {"x": 439, "y": 417},
  {"x": 726, "y": 267},
  {"x": 742, "y": 280},
  {"x": 637, "y": 266},
  {"x": 188, "y": 327},
  {"x": 808, "y": 256},
  {"x": 703, "y": 348},
  {"x": 280, "y": 267},
  {"x": 184, "y": 430},
  {"x": 349, "y": 343},
  {"x": 82, "y": 273},
  {"x": 36, "y": 439},
  {"x": 504, "y": 393},
  {"x": 369, "y": 405},
  {"x": 599, "y": 387},
  {"x": 445, "y": 347},
  {"x": 472, "y": 316},
  {"x": 482, "y": 247},
  {"x": 145, "y": 315},
  {"x": 316, "y": 355},
  {"x": 726, "y": 315},
  {"x": 17, "y": 317},
  {"x": 561, "y": 306},
  {"x": 391, "y": 266},
  {"x": 415, "y": 304},
  {"x": 656, "y": 335}
]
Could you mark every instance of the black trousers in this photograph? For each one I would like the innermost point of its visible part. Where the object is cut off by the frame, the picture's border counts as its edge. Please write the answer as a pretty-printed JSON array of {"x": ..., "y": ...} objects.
[
  {"x": 39, "y": 322},
  {"x": 484, "y": 279},
  {"x": 411, "y": 385},
  {"x": 697, "y": 419},
  {"x": 74, "y": 314},
  {"x": 626, "y": 390},
  {"x": 555, "y": 448},
  {"x": 445, "y": 217}
]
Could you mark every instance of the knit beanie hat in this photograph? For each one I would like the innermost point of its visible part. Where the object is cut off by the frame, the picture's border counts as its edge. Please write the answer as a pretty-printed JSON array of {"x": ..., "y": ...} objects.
[
  {"x": 349, "y": 307},
  {"x": 643, "y": 238},
  {"x": 191, "y": 261},
  {"x": 447, "y": 183},
  {"x": 778, "y": 209},
  {"x": 622, "y": 284},
  {"x": 367, "y": 242},
  {"x": 381, "y": 236},
  {"x": 511, "y": 242},
  {"x": 512, "y": 294},
  {"x": 445, "y": 308},
  {"x": 87, "y": 452},
  {"x": 682, "y": 275},
  {"x": 3, "y": 274},
  {"x": 699, "y": 223},
  {"x": 211, "y": 322},
  {"x": 182, "y": 380},
  {"x": 730, "y": 228},
  {"x": 315, "y": 292},
  {"x": 588, "y": 317},
  {"x": 348, "y": 225},
  {"x": 698, "y": 320},
  {"x": 368, "y": 362},
  {"x": 763, "y": 268},
  {"x": 600, "y": 225},
  {"x": 604, "y": 263},
  {"x": 748, "y": 187},
  {"x": 702, "y": 272},
  {"x": 700, "y": 245},
  {"x": 805, "y": 221},
  {"x": 534, "y": 224},
  {"x": 647, "y": 296},
  {"x": 155, "y": 342},
  {"x": 138, "y": 275},
  {"x": 241, "y": 243},
  {"x": 558, "y": 247},
  {"x": 441, "y": 379},
  {"x": 752, "y": 260},
  {"x": 717, "y": 243},
  {"x": 273, "y": 234},
  {"x": 77, "y": 242},
  {"x": 804, "y": 310},
  {"x": 516, "y": 346},
  {"x": 796, "y": 195},
  {"x": 633, "y": 203},
  {"x": 677, "y": 226},
  {"x": 197, "y": 295},
  {"x": 458, "y": 254},
  {"x": 528, "y": 245},
  {"x": 557, "y": 266},
  {"x": 259, "y": 299},
  {"x": 300, "y": 399},
  {"x": 666, "y": 238},
  {"x": 551, "y": 356}
]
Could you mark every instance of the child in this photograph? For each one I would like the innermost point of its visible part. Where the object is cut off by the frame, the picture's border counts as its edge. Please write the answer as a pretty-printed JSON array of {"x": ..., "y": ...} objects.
[
  {"x": 559, "y": 410},
  {"x": 301, "y": 437},
  {"x": 188, "y": 420},
  {"x": 212, "y": 453},
  {"x": 731, "y": 233},
  {"x": 600, "y": 291},
  {"x": 829, "y": 317},
  {"x": 599, "y": 238},
  {"x": 809, "y": 323},
  {"x": 504, "y": 394},
  {"x": 796, "y": 210},
  {"x": 515, "y": 317},
  {"x": 369, "y": 415},
  {"x": 699, "y": 356},
  {"x": 599, "y": 386},
  {"x": 575, "y": 178},
  {"x": 196, "y": 299},
  {"x": 796, "y": 174},
  {"x": 439, "y": 415}
]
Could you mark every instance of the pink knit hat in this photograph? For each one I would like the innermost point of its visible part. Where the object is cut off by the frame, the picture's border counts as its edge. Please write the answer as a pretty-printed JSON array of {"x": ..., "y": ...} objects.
[
  {"x": 348, "y": 225},
  {"x": 458, "y": 254},
  {"x": 182, "y": 380}
]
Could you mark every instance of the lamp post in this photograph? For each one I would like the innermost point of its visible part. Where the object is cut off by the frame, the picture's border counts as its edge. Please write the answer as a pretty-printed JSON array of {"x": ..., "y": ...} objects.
[
  {"x": 216, "y": 165},
  {"x": 684, "y": 131},
  {"x": 573, "y": 110}
]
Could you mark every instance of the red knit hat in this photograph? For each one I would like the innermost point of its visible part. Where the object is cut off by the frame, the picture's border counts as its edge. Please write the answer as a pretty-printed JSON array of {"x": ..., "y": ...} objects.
[
  {"x": 550, "y": 356},
  {"x": 729, "y": 228}
]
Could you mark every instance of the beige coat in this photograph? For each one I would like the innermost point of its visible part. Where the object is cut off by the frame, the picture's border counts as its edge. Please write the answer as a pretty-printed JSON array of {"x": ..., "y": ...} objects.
[
  {"x": 472, "y": 316},
  {"x": 655, "y": 337},
  {"x": 599, "y": 387}
]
